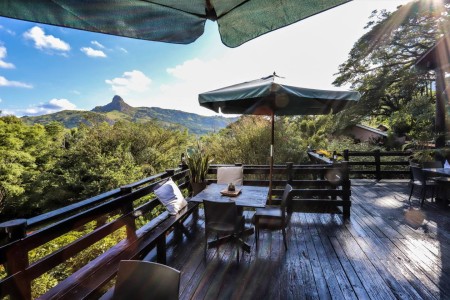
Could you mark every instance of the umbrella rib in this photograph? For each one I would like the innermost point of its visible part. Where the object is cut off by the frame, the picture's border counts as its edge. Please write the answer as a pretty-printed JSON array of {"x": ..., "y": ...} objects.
[
  {"x": 233, "y": 8},
  {"x": 177, "y": 9}
]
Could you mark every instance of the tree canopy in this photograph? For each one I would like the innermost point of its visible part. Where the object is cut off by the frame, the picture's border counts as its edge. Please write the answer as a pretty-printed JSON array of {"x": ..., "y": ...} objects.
[
  {"x": 47, "y": 167},
  {"x": 381, "y": 63}
]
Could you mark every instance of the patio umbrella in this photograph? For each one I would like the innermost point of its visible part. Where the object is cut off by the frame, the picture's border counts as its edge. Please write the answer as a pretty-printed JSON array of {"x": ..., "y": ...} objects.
[
  {"x": 266, "y": 97},
  {"x": 172, "y": 21}
]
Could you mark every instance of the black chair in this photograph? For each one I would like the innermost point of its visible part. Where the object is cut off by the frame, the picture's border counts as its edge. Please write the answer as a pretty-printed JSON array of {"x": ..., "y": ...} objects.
[
  {"x": 274, "y": 217},
  {"x": 223, "y": 219},
  {"x": 419, "y": 179},
  {"x": 146, "y": 280}
]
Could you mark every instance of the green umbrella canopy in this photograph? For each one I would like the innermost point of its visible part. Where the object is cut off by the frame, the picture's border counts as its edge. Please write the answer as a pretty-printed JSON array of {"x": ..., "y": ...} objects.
[
  {"x": 264, "y": 96},
  {"x": 172, "y": 21}
]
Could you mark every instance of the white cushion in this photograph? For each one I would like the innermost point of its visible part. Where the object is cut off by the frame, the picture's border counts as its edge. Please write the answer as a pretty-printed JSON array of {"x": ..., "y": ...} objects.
[
  {"x": 226, "y": 175},
  {"x": 170, "y": 196}
]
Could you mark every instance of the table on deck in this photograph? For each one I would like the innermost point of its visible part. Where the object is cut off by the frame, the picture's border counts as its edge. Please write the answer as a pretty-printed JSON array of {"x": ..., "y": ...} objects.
[
  {"x": 437, "y": 171},
  {"x": 443, "y": 182},
  {"x": 250, "y": 196}
]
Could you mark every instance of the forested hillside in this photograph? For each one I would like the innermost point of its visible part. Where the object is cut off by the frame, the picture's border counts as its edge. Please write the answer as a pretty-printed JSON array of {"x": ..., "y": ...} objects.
[
  {"x": 47, "y": 167},
  {"x": 119, "y": 110}
]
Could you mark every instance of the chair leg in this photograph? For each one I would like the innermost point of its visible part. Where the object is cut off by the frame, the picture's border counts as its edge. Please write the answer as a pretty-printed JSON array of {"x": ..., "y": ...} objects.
[
  {"x": 433, "y": 191},
  {"x": 206, "y": 246},
  {"x": 256, "y": 235},
  {"x": 424, "y": 191},
  {"x": 218, "y": 245},
  {"x": 238, "y": 245},
  {"x": 410, "y": 194},
  {"x": 284, "y": 238}
]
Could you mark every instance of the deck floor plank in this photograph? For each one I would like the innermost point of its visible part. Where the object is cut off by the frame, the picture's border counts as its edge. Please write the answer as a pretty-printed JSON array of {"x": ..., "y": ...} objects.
[
  {"x": 387, "y": 250},
  {"x": 306, "y": 273},
  {"x": 319, "y": 276}
]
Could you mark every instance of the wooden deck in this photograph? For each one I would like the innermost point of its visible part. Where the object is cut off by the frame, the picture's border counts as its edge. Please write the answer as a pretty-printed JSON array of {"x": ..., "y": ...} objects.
[{"x": 385, "y": 251}]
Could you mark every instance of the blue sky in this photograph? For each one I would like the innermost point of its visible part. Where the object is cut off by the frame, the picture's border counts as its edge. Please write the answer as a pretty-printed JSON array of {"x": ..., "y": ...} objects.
[{"x": 45, "y": 69}]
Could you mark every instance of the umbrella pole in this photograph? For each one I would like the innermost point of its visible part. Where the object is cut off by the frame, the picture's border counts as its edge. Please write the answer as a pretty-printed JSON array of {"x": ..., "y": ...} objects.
[{"x": 271, "y": 158}]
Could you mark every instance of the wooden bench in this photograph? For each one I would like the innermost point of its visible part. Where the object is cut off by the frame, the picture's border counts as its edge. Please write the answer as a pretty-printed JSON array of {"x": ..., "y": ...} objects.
[{"x": 90, "y": 280}]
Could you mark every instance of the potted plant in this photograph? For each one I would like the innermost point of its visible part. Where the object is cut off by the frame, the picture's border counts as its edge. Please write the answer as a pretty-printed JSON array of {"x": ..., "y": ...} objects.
[{"x": 198, "y": 163}]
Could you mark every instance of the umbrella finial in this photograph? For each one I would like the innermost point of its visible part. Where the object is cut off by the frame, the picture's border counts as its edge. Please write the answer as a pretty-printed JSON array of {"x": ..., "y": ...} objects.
[{"x": 275, "y": 75}]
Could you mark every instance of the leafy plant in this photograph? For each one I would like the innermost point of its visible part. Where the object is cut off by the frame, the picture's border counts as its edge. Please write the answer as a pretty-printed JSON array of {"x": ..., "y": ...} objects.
[
  {"x": 420, "y": 156},
  {"x": 198, "y": 163}
]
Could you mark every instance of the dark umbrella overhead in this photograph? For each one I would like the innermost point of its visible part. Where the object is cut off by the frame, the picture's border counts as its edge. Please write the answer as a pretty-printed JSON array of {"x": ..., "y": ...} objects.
[
  {"x": 172, "y": 21},
  {"x": 266, "y": 97}
]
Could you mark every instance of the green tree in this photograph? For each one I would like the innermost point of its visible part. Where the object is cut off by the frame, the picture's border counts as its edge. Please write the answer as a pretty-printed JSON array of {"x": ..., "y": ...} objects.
[
  {"x": 380, "y": 64},
  {"x": 245, "y": 141},
  {"x": 248, "y": 140},
  {"x": 46, "y": 167},
  {"x": 25, "y": 152}
]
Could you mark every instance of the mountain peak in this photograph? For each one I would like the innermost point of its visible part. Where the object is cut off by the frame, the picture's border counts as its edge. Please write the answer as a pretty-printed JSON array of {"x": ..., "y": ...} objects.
[
  {"x": 117, "y": 103},
  {"x": 117, "y": 100}
]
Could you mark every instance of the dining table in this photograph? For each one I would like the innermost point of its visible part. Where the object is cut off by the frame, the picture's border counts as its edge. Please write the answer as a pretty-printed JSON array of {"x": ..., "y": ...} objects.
[
  {"x": 443, "y": 182},
  {"x": 437, "y": 171},
  {"x": 249, "y": 196}
]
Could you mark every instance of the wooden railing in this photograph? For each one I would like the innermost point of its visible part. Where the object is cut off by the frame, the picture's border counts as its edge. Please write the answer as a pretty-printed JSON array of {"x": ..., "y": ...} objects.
[
  {"x": 372, "y": 164},
  {"x": 315, "y": 185},
  {"x": 375, "y": 166},
  {"x": 26, "y": 235}
]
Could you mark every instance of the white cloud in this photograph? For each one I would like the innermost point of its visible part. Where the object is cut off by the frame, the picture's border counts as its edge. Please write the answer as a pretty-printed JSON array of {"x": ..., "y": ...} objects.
[
  {"x": 4, "y": 64},
  {"x": 43, "y": 41},
  {"x": 131, "y": 82},
  {"x": 92, "y": 52},
  {"x": 52, "y": 106},
  {"x": 9, "y": 83},
  {"x": 8, "y": 31},
  {"x": 123, "y": 50},
  {"x": 95, "y": 43},
  {"x": 184, "y": 71},
  {"x": 6, "y": 112}
]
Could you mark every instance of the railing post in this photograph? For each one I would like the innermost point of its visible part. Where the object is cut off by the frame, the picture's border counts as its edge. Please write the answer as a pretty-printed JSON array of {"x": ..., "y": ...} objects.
[
  {"x": 161, "y": 250},
  {"x": 346, "y": 187},
  {"x": 377, "y": 156},
  {"x": 290, "y": 172},
  {"x": 17, "y": 257},
  {"x": 170, "y": 172},
  {"x": 346, "y": 155},
  {"x": 130, "y": 223},
  {"x": 187, "y": 179}
]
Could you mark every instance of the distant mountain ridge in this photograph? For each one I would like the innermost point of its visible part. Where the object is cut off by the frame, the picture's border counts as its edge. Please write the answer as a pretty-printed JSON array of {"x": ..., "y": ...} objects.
[{"x": 118, "y": 110}]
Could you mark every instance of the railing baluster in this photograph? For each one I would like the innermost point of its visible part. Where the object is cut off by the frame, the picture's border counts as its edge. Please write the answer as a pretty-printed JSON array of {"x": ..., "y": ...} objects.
[
  {"x": 17, "y": 257},
  {"x": 289, "y": 171},
  {"x": 377, "y": 164}
]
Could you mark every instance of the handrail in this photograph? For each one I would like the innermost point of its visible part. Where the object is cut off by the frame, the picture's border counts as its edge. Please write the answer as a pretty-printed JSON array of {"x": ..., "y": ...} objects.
[
  {"x": 14, "y": 255},
  {"x": 51, "y": 216},
  {"x": 377, "y": 156},
  {"x": 371, "y": 165}
]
